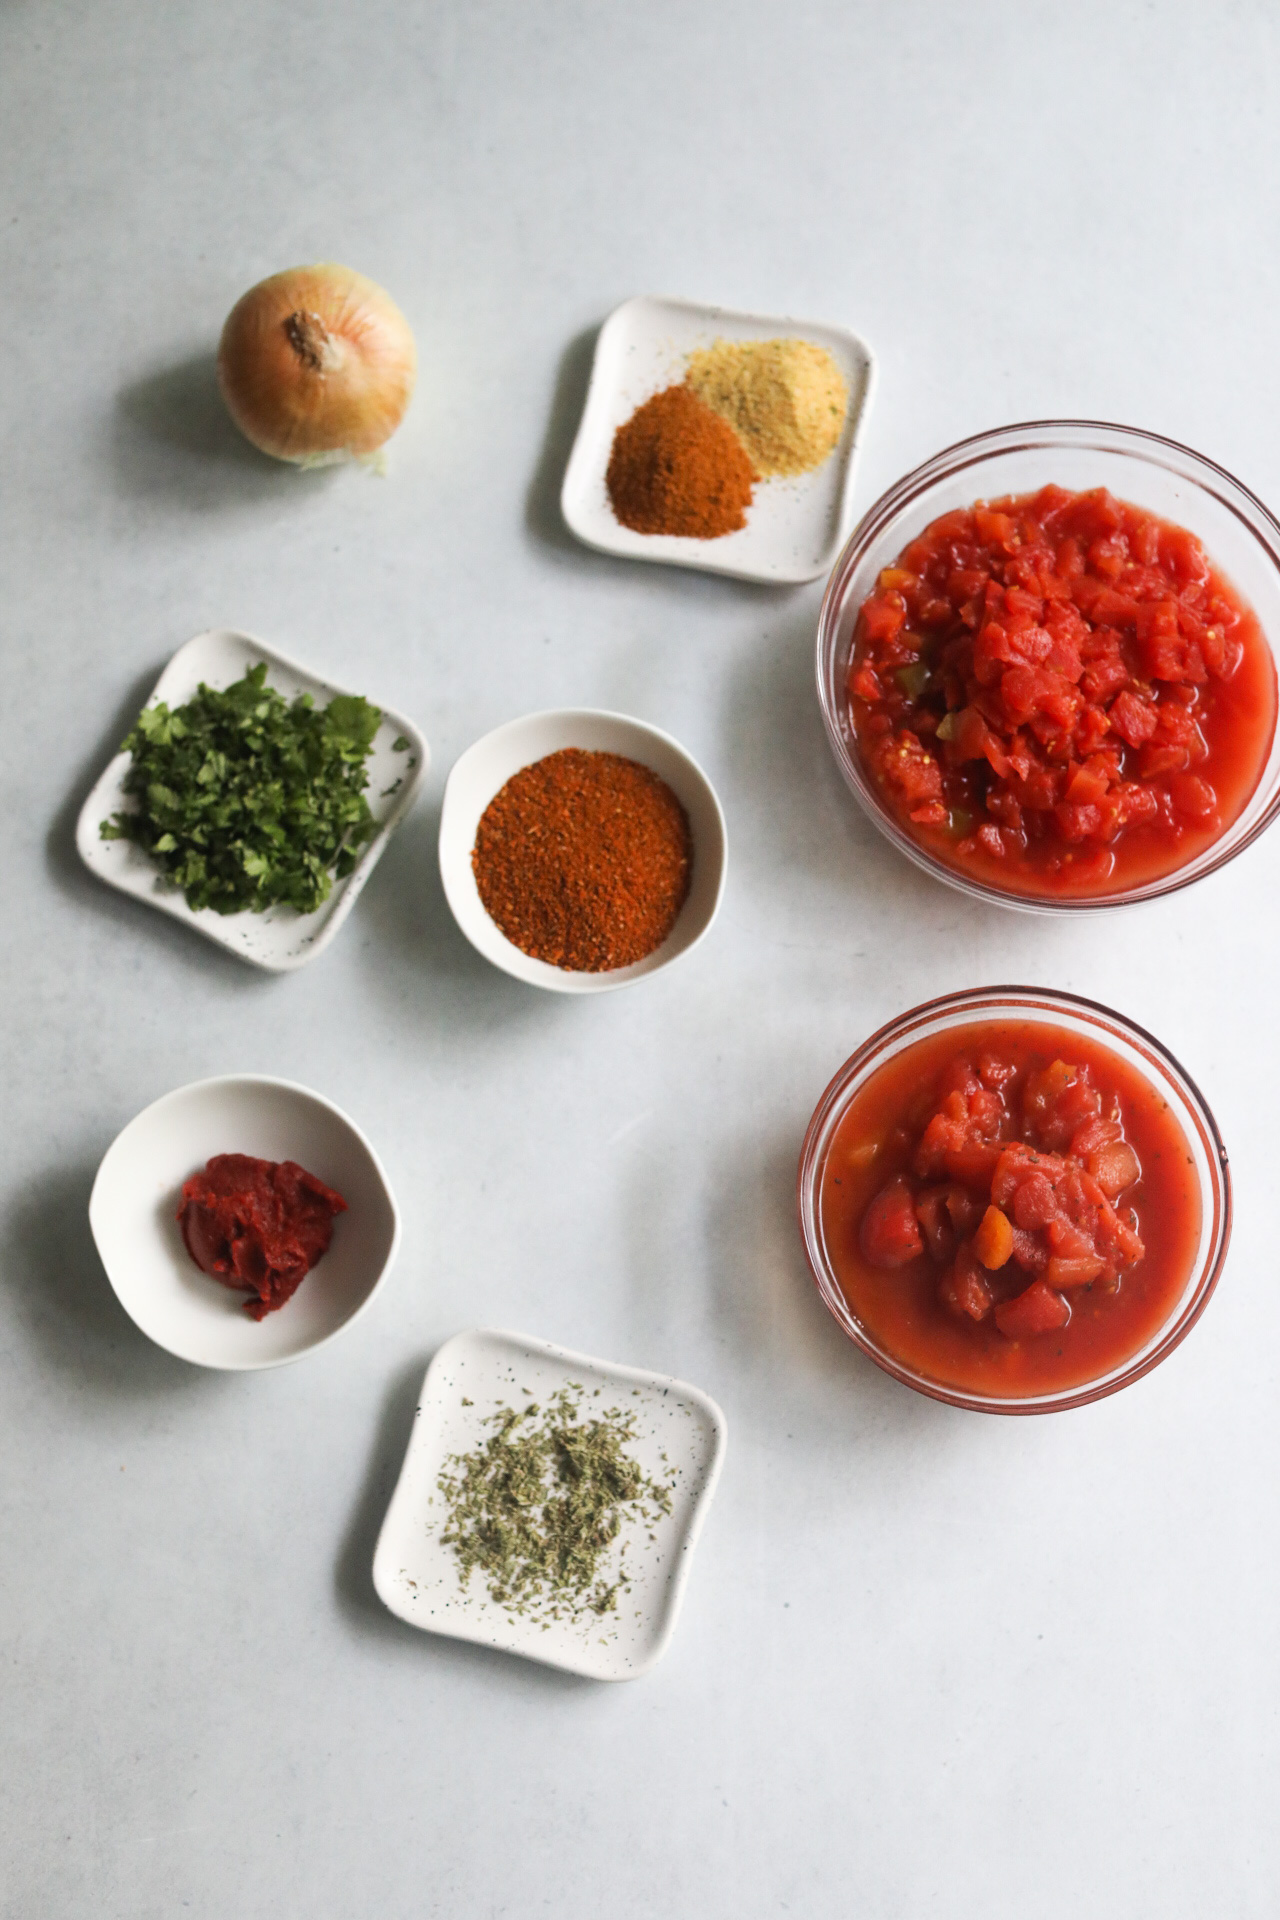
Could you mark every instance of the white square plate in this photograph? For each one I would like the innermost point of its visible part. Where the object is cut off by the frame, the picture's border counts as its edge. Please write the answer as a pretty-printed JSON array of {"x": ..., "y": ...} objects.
[
  {"x": 795, "y": 528},
  {"x": 279, "y": 939},
  {"x": 676, "y": 1426}
]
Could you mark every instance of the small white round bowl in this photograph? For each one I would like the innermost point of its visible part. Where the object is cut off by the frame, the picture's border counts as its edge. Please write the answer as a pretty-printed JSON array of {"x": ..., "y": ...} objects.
[
  {"x": 484, "y": 770},
  {"x": 134, "y": 1205}
]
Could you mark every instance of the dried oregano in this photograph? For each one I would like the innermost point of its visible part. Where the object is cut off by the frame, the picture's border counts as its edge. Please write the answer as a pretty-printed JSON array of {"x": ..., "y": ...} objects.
[{"x": 537, "y": 1505}]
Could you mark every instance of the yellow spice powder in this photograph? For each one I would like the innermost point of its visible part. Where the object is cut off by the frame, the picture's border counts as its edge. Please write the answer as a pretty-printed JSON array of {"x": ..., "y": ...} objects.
[{"x": 786, "y": 399}]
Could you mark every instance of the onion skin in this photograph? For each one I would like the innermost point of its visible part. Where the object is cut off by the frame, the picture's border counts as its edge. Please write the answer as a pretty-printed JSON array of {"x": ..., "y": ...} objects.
[{"x": 317, "y": 364}]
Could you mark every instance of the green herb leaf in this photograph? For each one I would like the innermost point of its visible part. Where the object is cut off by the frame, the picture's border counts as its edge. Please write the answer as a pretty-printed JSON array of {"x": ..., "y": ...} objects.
[{"x": 247, "y": 801}]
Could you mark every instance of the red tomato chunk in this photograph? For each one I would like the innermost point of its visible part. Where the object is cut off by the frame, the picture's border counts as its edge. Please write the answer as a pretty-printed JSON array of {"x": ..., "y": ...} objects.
[
  {"x": 1059, "y": 693},
  {"x": 1029, "y": 1185},
  {"x": 1010, "y": 1208}
]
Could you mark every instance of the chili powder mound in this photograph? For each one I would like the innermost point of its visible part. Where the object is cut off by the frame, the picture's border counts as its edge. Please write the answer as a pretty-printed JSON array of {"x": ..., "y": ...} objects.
[
  {"x": 584, "y": 860},
  {"x": 677, "y": 467}
]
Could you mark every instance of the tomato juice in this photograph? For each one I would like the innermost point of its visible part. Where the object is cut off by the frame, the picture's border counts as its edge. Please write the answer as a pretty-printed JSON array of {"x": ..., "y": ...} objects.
[
  {"x": 1010, "y": 1209},
  {"x": 1058, "y": 694}
]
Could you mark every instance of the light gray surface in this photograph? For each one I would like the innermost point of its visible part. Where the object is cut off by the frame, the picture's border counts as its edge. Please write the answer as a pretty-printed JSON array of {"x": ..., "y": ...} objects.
[{"x": 930, "y": 1663}]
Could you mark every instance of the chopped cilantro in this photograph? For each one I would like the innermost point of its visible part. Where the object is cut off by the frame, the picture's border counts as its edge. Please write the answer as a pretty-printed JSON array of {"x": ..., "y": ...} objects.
[
  {"x": 245, "y": 801},
  {"x": 401, "y": 744}
]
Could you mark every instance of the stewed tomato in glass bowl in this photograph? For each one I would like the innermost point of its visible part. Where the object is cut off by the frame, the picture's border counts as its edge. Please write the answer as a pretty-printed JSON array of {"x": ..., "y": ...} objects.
[
  {"x": 1014, "y": 1200},
  {"x": 1046, "y": 662}
]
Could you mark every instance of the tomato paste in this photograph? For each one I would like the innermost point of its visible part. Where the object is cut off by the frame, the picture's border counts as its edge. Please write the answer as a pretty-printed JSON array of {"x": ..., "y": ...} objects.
[
  {"x": 1059, "y": 694},
  {"x": 259, "y": 1225},
  {"x": 1010, "y": 1209}
]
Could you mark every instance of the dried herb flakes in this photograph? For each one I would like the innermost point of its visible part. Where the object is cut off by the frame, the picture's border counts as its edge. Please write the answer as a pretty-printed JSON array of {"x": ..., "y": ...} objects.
[{"x": 537, "y": 1505}]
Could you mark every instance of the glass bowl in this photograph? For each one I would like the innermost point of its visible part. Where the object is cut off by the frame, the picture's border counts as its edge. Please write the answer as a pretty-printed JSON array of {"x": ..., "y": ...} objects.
[
  {"x": 1145, "y": 1055},
  {"x": 1240, "y": 536}
]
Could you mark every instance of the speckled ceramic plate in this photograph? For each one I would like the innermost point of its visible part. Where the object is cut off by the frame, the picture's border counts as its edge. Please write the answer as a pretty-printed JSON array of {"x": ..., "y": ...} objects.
[
  {"x": 679, "y": 1439},
  {"x": 795, "y": 528},
  {"x": 278, "y": 940}
]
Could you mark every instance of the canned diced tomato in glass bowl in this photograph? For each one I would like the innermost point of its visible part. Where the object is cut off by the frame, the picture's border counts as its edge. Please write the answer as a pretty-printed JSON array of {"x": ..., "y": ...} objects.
[
  {"x": 1047, "y": 670},
  {"x": 1014, "y": 1200}
]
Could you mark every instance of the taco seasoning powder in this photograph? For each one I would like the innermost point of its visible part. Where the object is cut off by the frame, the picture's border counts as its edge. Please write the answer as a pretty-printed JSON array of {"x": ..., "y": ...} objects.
[
  {"x": 677, "y": 467},
  {"x": 584, "y": 860}
]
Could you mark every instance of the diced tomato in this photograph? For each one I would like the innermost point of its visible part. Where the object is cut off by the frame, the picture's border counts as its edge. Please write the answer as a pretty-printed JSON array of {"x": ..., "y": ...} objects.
[
  {"x": 965, "y": 1288},
  {"x": 1078, "y": 823},
  {"x": 935, "y": 1223},
  {"x": 1030, "y": 1251},
  {"x": 1034, "y": 1203},
  {"x": 890, "y": 1232},
  {"x": 1088, "y": 784},
  {"x": 883, "y": 616},
  {"x": 1105, "y": 675},
  {"x": 1092, "y": 1134},
  {"x": 1028, "y": 691},
  {"x": 1114, "y": 1167},
  {"x": 1072, "y": 1270},
  {"x": 1044, "y": 692},
  {"x": 911, "y": 773},
  {"x": 1065, "y": 1238},
  {"x": 995, "y": 529},
  {"x": 1133, "y": 719},
  {"x": 963, "y": 1209},
  {"x": 1017, "y": 1163},
  {"x": 1057, "y": 1101},
  {"x": 1039, "y": 1310},
  {"x": 1192, "y": 795}
]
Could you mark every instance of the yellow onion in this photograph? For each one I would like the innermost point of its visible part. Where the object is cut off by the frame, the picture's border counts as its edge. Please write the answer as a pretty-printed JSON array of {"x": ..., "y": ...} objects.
[{"x": 317, "y": 364}]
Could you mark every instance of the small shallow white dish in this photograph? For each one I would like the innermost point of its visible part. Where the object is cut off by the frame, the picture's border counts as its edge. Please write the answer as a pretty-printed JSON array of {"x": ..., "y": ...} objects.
[
  {"x": 795, "y": 528},
  {"x": 677, "y": 1426},
  {"x": 278, "y": 940},
  {"x": 484, "y": 769},
  {"x": 134, "y": 1205}
]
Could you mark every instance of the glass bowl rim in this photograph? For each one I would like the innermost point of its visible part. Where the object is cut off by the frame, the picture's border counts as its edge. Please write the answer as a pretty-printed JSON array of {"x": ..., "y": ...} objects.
[
  {"x": 1246, "y": 506},
  {"x": 891, "y": 1039}
]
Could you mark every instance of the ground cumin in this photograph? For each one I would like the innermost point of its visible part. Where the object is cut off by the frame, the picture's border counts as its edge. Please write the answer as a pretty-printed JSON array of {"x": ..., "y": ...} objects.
[
  {"x": 584, "y": 860},
  {"x": 787, "y": 399},
  {"x": 677, "y": 467}
]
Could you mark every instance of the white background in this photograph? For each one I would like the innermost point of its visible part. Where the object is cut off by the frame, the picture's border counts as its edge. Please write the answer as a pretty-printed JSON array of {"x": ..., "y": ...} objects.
[{"x": 931, "y": 1662}]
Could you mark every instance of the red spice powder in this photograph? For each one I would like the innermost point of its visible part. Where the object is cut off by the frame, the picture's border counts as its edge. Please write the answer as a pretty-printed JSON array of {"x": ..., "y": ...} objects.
[
  {"x": 677, "y": 467},
  {"x": 584, "y": 860}
]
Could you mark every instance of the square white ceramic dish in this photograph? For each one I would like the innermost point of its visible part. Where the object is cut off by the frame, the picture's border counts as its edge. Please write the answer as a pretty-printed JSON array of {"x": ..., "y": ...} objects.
[
  {"x": 134, "y": 1206},
  {"x": 278, "y": 940},
  {"x": 795, "y": 528},
  {"x": 468, "y": 1380}
]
